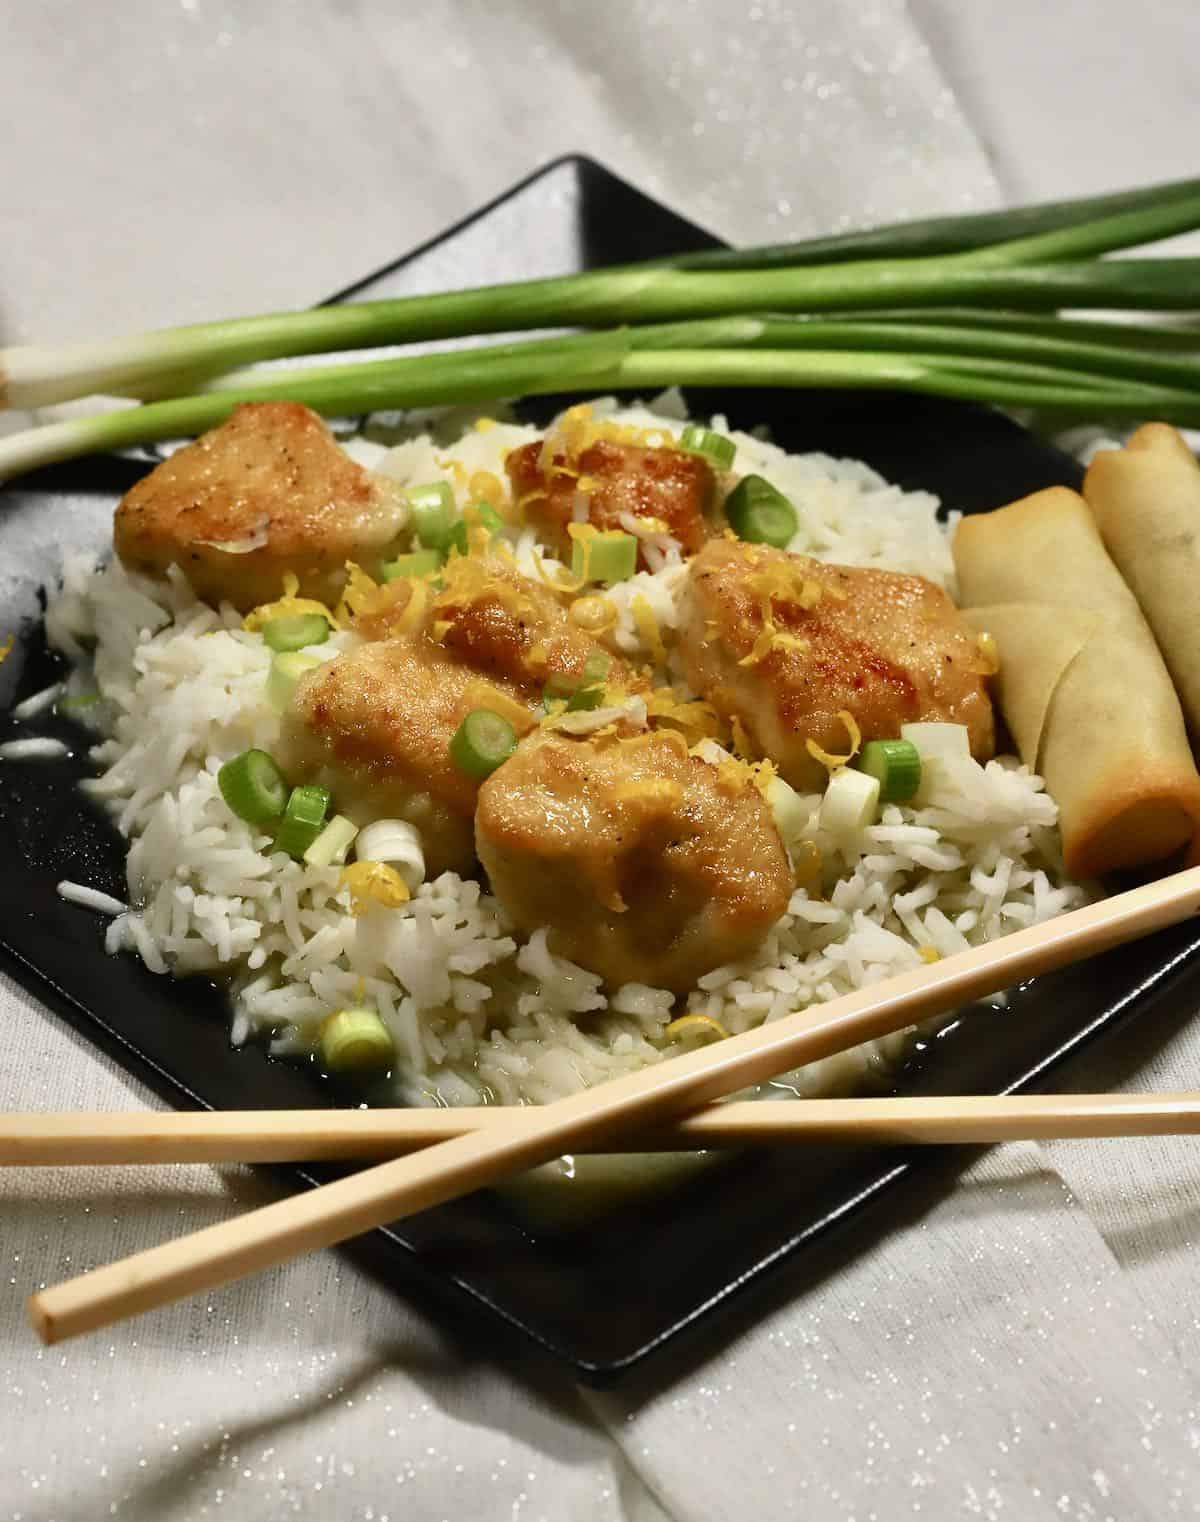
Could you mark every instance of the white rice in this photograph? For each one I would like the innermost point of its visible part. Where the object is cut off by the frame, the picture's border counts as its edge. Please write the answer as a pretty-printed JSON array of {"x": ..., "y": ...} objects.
[
  {"x": 38, "y": 702},
  {"x": 475, "y": 1011},
  {"x": 33, "y": 750},
  {"x": 91, "y": 898}
]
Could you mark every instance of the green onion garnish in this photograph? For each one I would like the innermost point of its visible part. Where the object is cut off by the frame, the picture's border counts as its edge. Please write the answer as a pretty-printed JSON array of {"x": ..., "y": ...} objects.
[
  {"x": 585, "y": 699},
  {"x": 296, "y": 631},
  {"x": 482, "y": 742},
  {"x": 253, "y": 787},
  {"x": 759, "y": 513},
  {"x": 355, "y": 1041},
  {"x": 416, "y": 563},
  {"x": 286, "y": 670},
  {"x": 895, "y": 765},
  {"x": 561, "y": 684},
  {"x": 850, "y": 803},
  {"x": 330, "y": 847},
  {"x": 714, "y": 447},
  {"x": 302, "y": 819},
  {"x": 433, "y": 513},
  {"x": 607, "y": 556},
  {"x": 478, "y": 512}
]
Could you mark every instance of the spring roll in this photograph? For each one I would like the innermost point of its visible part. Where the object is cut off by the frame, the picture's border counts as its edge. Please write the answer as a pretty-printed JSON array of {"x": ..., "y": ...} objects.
[
  {"x": 1145, "y": 499},
  {"x": 1081, "y": 683}
]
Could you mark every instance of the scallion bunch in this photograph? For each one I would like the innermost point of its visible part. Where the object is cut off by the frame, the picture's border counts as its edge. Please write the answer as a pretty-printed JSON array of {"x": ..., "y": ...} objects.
[{"x": 960, "y": 307}]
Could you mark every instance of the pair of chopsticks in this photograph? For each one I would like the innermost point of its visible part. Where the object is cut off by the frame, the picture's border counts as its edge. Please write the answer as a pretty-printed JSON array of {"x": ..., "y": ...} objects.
[
  {"x": 309, "y": 1136},
  {"x": 605, "y": 1117}
]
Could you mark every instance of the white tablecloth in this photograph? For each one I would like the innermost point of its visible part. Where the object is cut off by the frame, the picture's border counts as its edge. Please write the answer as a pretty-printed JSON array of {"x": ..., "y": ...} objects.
[{"x": 1022, "y": 1341}]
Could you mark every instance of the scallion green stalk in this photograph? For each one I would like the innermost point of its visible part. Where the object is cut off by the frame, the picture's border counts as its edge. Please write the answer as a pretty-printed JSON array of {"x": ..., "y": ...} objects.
[
  {"x": 1015, "y": 270},
  {"x": 407, "y": 382}
]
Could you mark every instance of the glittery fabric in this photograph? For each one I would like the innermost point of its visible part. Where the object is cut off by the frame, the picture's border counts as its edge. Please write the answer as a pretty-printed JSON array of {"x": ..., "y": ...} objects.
[{"x": 1016, "y": 1343}]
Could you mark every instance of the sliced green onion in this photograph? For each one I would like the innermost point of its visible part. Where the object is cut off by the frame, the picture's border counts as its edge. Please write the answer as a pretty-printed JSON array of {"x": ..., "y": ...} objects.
[
  {"x": 397, "y": 844},
  {"x": 253, "y": 786},
  {"x": 355, "y": 1041},
  {"x": 482, "y": 742},
  {"x": 759, "y": 513},
  {"x": 286, "y": 670},
  {"x": 850, "y": 803},
  {"x": 938, "y": 742},
  {"x": 561, "y": 684},
  {"x": 584, "y": 699},
  {"x": 302, "y": 819},
  {"x": 478, "y": 512},
  {"x": 714, "y": 447},
  {"x": 895, "y": 765},
  {"x": 433, "y": 513},
  {"x": 607, "y": 556},
  {"x": 296, "y": 631},
  {"x": 330, "y": 847},
  {"x": 788, "y": 809},
  {"x": 417, "y": 563}
]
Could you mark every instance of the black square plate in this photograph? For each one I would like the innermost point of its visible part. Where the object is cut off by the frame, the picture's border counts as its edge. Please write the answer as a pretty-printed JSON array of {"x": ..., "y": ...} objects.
[{"x": 603, "y": 1293}]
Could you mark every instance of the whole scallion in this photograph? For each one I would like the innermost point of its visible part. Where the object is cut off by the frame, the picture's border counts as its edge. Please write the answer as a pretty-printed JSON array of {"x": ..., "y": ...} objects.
[
  {"x": 914, "y": 268},
  {"x": 947, "y": 308}
]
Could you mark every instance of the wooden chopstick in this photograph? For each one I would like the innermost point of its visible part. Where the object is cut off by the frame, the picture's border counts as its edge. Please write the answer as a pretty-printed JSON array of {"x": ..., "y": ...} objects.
[
  {"x": 295, "y": 1136},
  {"x": 597, "y": 1118}
]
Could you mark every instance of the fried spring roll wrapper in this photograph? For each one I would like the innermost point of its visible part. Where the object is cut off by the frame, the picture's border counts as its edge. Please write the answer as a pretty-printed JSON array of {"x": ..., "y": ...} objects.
[
  {"x": 1081, "y": 683},
  {"x": 1145, "y": 499}
]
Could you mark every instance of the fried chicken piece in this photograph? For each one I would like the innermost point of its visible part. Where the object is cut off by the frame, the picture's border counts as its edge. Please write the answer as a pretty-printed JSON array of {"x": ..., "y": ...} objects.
[
  {"x": 784, "y": 644},
  {"x": 375, "y": 723},
  {"x": 676, "y": 488},
  {"x": 647, "y": 864},
  {"x": 268, "y": 491}
]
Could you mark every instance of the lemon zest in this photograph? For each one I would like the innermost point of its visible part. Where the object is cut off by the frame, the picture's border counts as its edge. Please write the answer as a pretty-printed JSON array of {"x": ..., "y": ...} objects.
[
  {"x": 696, "y": 1022},
  {"x": 359, "y": 594},
  {"x": 743, "y": 746},
  {"x": 594, "y": 614},
  {"x": 567, "y": 583},
  {"x": 288, "y": 606},
  {"x": 456, "y": 468},
  {"x": 694, "y": 715},
  {"x": 929, "y": 954},
  {"x": 828, "y": 758},
  {"x": 485, "y": 424},
  {"x": 647, "y": 627},
  {"x": 414, "y": 614},
  {"x": 373, "y": 882},
  {"x": 642, "y": 526},
  {"x": 483, "y": 694}
]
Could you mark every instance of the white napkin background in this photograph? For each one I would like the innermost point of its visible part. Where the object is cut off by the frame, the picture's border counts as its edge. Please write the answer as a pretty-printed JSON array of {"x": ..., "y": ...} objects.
[{"x": 1019, "y": 1343}]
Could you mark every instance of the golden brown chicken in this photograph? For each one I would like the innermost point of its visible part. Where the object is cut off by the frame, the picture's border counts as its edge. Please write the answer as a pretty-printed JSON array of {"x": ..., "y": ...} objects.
[
  {"x": 268, "y": 491},
  {"x": 784, "y": 644},
  {"x": 375, "y": 723},
  {"x": 649, "y": 865},
  {"x": 614, "y": 479}
]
